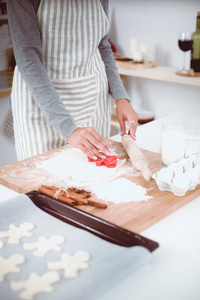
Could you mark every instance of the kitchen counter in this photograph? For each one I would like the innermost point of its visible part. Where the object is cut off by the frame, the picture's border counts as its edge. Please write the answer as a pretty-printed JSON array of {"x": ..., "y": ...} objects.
[{"x": 173, "y": 271}]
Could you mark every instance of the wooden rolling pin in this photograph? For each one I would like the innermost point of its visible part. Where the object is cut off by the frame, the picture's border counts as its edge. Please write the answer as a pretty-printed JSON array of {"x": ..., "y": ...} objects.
[{"x": 137, "y": 158}]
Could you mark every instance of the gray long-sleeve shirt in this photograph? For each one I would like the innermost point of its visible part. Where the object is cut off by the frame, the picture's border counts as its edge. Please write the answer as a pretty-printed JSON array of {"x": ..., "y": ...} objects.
[{"x": 27, "y": 45}]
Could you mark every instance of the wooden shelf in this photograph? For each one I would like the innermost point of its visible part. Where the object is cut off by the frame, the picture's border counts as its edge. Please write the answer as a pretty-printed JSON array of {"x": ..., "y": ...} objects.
[
  {"x": 5, "y": 88},
  {"x": 3, "y": 19},
  {"x": 5, "y": 93},
  {"x": 155, "y": 73},
  {"x": 7, "y": 73}
]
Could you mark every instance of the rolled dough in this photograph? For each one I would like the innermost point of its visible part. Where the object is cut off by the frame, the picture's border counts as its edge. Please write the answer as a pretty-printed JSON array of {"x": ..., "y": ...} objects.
[
  {"x": 35, "y": 284},
  {"x": 71, "y": 264},
  {"x": 10, "y": 264},
  {"x": 14, "y": 234},
  {"x": 43, "y": 245},
  {"x": 73, "y": 163},
  {"x": 1, "y": 244}
]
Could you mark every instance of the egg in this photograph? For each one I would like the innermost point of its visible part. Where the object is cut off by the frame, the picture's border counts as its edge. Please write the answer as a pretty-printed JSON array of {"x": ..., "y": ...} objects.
[
  {"x": 193, "y": 176},
  {"x": 172, "y": 167},
  {"x": 186, "y": 164},
  {"x": 165, "y": 175},
  {"x": 197, "y": 167},
  {"x": 196, "y": 160},
  {"x": 181, "y": 181},
  {"x": 178, "y": 169},
  {"x": 192, "y": 158}
]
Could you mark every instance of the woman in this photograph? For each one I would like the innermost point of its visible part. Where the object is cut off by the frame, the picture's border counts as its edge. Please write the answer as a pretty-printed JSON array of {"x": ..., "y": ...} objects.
[{"x": 64, "y": 77}]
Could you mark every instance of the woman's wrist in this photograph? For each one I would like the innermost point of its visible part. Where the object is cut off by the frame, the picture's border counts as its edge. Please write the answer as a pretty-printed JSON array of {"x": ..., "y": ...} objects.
[{"x": 122, "y": 100}]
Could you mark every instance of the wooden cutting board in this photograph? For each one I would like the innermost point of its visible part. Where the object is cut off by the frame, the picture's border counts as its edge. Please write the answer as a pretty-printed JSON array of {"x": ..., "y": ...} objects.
[{"x": 24, "y": 176}]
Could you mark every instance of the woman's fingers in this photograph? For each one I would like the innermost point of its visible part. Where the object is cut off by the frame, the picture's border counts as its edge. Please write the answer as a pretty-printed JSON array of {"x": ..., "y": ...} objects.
[
  {"x": 132, "y": 128},
  {"x": 125, "y": 112},
  {"x": 89, "y": 142},
  {"x": 122, "y": 126}
]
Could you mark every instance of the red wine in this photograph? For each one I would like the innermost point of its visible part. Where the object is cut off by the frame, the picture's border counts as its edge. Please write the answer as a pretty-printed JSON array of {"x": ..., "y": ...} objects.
[{"x": 185, "y": 45}]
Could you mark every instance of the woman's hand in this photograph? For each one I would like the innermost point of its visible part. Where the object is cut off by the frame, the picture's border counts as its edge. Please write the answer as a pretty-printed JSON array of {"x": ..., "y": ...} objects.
[
  {"x": 89, "y": 142},
  {"x": 125, "y": 112}
]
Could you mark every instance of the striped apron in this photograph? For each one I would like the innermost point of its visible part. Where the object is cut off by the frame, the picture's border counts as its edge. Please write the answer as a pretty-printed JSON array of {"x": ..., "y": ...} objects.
[{"x": 71, "y": 31}]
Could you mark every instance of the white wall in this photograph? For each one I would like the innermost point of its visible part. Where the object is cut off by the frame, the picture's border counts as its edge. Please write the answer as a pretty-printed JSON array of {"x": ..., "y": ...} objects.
[{"x": 157, "y": 24}]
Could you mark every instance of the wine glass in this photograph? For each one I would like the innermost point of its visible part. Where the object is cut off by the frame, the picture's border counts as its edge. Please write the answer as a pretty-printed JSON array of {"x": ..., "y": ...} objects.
[{"x": 185, "y": 44}]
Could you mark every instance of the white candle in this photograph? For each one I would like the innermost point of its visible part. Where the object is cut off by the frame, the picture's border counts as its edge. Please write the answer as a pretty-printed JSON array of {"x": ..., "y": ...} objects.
[
  {"x": 134, "y": 46},
  {"x": 145, "y": 51},
  {"x": 137, "y": 56}
]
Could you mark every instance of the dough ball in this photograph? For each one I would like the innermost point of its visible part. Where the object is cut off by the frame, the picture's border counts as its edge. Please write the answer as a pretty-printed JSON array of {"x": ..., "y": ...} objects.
[{"x": 181, "y": 181}]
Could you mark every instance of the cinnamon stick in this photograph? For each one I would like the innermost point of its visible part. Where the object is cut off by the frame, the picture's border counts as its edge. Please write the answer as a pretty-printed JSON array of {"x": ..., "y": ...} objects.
[
  {"x": 51, "y": 192},
  {"x": 72, "y": 196},
  {"x": 97, "y": 204}
]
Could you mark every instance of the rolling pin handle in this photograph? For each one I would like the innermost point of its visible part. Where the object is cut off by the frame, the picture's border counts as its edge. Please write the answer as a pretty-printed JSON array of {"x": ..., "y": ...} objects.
[
  {"x": 136, "y": 156},
  {"x": 147, "y": 174}
]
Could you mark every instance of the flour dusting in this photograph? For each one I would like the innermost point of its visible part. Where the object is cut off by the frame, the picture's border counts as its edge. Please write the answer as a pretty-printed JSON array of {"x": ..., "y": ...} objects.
[
  {"x": 121, "y": 190},
  {"x": 74, "y": 163}
]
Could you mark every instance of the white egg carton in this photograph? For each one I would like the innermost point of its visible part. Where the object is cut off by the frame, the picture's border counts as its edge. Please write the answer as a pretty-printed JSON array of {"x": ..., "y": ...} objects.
[{"x": 181, "y": 176}]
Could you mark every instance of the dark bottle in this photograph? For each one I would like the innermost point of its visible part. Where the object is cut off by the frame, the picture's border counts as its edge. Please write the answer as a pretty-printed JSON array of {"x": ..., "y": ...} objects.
[{"x": 195, "y": 53}]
